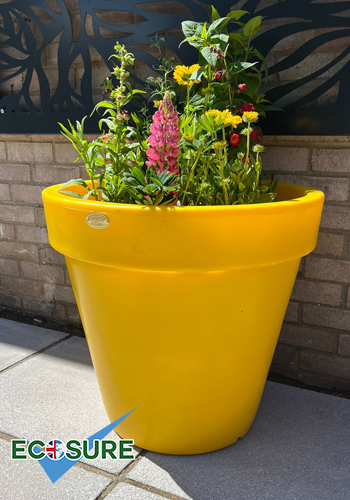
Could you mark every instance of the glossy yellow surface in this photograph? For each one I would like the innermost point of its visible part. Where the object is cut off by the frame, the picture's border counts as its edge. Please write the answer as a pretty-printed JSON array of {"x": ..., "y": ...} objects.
[{"x": 182, "y": 308}]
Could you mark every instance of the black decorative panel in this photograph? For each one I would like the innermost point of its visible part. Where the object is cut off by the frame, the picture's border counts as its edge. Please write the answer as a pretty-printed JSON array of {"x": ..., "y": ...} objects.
[{"x": 307, "y": 45}]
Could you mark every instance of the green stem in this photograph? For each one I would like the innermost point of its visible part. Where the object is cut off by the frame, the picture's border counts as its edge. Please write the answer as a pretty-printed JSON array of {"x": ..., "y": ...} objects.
[
  {"x": 248, "y": 148},
  {"x": 257, "y": 173},
  {"x": 191, "y": 172},
  {"x": 209, "y": 76},
  {"x": 224, "y": 139},
  {"x": 188, "y": 101},
  {"x": 229, "y": 85},
  {"x": 93, "y": 185},
  {"x": 223, "y": 183}
]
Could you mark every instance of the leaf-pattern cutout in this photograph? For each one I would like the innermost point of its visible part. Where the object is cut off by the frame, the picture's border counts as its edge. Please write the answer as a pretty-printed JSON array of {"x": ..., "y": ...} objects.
[{"x": 310, "y": 83}]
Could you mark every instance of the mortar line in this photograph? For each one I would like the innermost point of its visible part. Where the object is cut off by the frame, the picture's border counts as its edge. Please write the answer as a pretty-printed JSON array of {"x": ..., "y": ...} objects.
[
  {"x": 110, "y": 487},
  {"x": 96, "y": 470},
  {"x": 152, "y": 489},
  {"x": 7, "y": 437},
  {"x": 111, "y": 475},
  {"x": 36, "y": 353}
]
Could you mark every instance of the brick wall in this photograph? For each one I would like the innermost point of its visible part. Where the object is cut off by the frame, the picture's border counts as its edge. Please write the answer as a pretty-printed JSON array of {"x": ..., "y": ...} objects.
[{"x": 314, "y": 345}]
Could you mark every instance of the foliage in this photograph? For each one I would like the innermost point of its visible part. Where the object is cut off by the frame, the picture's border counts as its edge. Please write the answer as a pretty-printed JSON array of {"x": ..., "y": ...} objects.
[{"x": 210, "y": 154}]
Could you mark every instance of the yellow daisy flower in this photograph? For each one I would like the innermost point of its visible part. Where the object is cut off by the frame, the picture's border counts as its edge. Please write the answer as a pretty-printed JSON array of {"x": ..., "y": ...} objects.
[
  {"x": 226, "y": 117},
  {"x": 235, "y": 120},
  {"x": 220, "y": 144},
  {"x": 213, "y": 112},
  {"x": 250, "y": 116},
  {"x": 188, "y": 137},
  {"x": 182, "y": 74},
  {"x": 207, "y": 90}
]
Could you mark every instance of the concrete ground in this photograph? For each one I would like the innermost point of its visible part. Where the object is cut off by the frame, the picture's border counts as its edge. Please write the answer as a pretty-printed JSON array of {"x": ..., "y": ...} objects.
[{"x": 297, "y": 449}]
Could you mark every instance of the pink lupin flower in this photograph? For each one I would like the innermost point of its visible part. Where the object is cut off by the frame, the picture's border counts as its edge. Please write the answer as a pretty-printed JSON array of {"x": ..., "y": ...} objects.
[{"x": 164, "y": 140}]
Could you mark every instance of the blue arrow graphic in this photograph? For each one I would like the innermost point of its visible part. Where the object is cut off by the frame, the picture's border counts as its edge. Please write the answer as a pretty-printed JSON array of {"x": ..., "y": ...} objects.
[{"x": 56, "y": 469}]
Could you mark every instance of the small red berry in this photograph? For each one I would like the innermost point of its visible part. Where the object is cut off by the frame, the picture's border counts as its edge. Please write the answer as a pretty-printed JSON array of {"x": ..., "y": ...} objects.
[
  {"x": 218, "y": 75},
  {"x": 242, "y": 86}
]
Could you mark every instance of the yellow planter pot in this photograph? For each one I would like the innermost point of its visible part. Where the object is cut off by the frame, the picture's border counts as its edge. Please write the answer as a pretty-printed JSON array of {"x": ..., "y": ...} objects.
[{"x": 182, "y": 307}]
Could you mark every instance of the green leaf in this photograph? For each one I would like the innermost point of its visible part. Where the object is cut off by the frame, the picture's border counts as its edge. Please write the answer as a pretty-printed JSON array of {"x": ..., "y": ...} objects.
[
  {"x": 103, "y": 104},
  {"x": 139, "y": 175},
  {"x": 80, "y": 182},
  {"x": 189, "y": 28},
  {"x": 237, "y": 67},
  {"x": 192, "y": 39},
  {"x": 238, "y": 38},
  {"x": 214, "y": 14},
  {"x": 195, "y": 42},
  {"x": 221, "y": 40},
  {"x": 87, "y": 196},
  {"x": 71, "y": 193},
  {"x": 157, "y": 181},
  {"x": 266, "y": 198},
  {"x": 273, "y": 185},
  {"x": 252, "y": 26},
  {"x": 218, "y": 25},
  {"x": 159, "y": 198},
  {"x": 210, "y": 56},
  {"x": 252, "y": 80},
  {"x": 66, "y": 132},
  {"x": 237, "y": 14},
  {"x": 197, "y": 75}
]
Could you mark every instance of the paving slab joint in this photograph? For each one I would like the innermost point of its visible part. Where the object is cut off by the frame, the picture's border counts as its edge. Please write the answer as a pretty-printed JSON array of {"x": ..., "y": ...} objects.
[{"x": 36, "y": 353}]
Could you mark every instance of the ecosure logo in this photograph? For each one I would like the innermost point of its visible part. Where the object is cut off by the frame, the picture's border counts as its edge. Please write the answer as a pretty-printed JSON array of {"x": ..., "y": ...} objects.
[{"x": 57, "y": 457}]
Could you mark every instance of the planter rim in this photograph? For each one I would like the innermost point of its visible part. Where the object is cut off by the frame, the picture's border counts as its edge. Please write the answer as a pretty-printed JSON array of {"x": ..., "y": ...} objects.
[
  {"x": 305, "y": 196},
  {"x": 164, "y": 238}
]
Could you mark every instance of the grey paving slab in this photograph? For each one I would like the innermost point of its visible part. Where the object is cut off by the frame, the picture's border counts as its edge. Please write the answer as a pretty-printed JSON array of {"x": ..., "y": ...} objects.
[
  {"x": 149, "y": 473},
  {"x": 17, "y": 341},
  {"x": 124, "y": 491},
  {"x": 26, "y": 480},
  {"x": 297, "y": 449},
  {"x": 55, "y": 395}
]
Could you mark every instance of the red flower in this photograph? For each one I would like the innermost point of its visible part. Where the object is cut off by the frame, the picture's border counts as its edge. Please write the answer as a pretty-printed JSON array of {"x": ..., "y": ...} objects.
[
  {"x": 235, "y": 140},
  {"x": 254, "y": 134},
  {"x": 218, "y": 75},
  {"x": 246, "y": 107},
  {"x": 242, "y": 86},
  {"x": 244, "y": 158}
]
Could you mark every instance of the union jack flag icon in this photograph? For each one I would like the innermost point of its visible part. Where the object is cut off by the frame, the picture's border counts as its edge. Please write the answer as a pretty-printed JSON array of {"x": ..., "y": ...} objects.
[{"x": 55, "y": 449}]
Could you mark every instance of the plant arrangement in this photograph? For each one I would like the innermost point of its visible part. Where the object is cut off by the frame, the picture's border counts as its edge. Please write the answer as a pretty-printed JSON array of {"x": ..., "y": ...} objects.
[{"x": 202, "y": 145}]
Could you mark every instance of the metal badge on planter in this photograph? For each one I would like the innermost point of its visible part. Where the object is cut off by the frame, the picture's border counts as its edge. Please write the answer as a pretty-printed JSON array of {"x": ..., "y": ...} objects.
[{"x": 97, "y": 221}]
